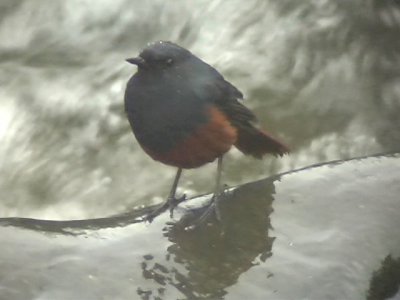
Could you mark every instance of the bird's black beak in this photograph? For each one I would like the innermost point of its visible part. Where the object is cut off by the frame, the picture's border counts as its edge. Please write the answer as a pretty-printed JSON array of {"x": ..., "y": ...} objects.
[{"x": 139, "y": 61}]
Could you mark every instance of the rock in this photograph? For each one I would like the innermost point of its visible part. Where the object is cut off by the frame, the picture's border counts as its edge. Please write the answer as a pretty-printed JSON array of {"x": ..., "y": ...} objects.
[{"x": 316, "y": 233}]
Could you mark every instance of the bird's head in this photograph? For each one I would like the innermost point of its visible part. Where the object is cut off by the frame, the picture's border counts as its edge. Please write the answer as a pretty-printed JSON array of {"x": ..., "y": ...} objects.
[{"x": 160, "y": 55}]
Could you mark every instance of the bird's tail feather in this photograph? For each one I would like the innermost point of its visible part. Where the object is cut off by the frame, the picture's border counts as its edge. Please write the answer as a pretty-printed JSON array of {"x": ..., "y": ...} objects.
[{"x": 255, "y": 142}]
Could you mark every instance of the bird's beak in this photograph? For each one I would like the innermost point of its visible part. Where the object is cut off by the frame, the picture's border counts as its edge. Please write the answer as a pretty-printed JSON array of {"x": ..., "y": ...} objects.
[{"x": 139, "y": 61}]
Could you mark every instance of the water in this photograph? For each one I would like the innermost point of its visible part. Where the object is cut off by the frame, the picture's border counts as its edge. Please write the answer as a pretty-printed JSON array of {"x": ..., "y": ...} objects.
[
  {"x": 319, "y": 233},
  {"x": 322, "y": 75}
]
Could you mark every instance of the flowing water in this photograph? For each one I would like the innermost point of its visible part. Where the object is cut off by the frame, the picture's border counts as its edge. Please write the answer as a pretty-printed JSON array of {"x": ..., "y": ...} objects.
[{"x": 322, "y": 75}]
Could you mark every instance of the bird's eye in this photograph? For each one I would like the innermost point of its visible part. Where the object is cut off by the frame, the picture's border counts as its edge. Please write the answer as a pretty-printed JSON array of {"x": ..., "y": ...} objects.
[{"x": 169, "y": 61}]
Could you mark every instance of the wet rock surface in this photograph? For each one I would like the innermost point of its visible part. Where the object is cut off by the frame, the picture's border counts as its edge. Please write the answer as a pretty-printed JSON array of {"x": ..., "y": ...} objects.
[{"x": 316, "y": 233}]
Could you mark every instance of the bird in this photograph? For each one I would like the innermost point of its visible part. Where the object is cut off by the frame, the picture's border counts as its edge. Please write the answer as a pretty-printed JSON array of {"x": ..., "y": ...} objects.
[{"x": 185, "y": 114}]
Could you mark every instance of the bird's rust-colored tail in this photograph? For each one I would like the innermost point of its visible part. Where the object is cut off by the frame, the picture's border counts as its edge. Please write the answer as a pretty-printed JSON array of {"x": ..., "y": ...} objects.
[{"x": 255, "y": 142}]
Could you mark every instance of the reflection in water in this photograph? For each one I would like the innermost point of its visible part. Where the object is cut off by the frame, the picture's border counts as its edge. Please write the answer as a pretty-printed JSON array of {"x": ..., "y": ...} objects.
[
  {"x": 333, "y": 224},
  {"x": 210, "y": 258},
  {"x": 385, "y": 282}
]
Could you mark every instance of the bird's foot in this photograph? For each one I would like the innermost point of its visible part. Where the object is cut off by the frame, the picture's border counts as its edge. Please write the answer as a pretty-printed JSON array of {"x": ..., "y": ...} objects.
[
  {"x": 170, "y": 204},
  {"x": 213, "y": 208},
  {"x": 174, "y": 202}
]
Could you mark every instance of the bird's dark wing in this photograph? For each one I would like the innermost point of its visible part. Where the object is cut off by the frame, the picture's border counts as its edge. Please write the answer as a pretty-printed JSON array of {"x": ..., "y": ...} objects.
[
  {"x": 211, "y": 86},
  {"x": 230, "y": 88},
  {"x": 250, "y": 139},
  {"x": 206, "y": 85},
  {"x": 228, "y": 102}
]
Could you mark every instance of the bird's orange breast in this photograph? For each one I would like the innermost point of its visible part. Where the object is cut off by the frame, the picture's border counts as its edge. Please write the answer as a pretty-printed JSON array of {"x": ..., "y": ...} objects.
[{"x": 208, "y": 142}]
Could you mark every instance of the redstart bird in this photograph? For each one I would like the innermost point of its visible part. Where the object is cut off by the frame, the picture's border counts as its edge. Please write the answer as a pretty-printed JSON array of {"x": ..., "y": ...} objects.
[{"x": 185, "y": 114}]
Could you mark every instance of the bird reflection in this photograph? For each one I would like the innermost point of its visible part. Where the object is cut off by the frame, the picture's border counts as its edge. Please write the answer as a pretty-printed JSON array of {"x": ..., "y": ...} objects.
[{"x": 201, "y": 263}]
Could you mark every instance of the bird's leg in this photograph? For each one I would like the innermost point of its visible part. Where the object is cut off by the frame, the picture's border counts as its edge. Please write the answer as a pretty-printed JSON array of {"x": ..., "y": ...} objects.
[
  {"x": 171, "y": 201},
  {"x": 218, "y": 190},
  {"x": 214, "y": 204}
]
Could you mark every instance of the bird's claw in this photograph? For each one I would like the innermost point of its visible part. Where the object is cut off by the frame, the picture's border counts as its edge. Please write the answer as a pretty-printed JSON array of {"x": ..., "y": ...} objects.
[
  {"x": 174, "y": 202},
  {"x": 212, "y": 208},
  {"x": 170, "y": 204}
]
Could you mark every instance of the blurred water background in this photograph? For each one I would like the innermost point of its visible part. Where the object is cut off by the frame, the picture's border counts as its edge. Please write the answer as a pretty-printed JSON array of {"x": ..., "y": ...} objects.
[{"x": 322, "y": 75}]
